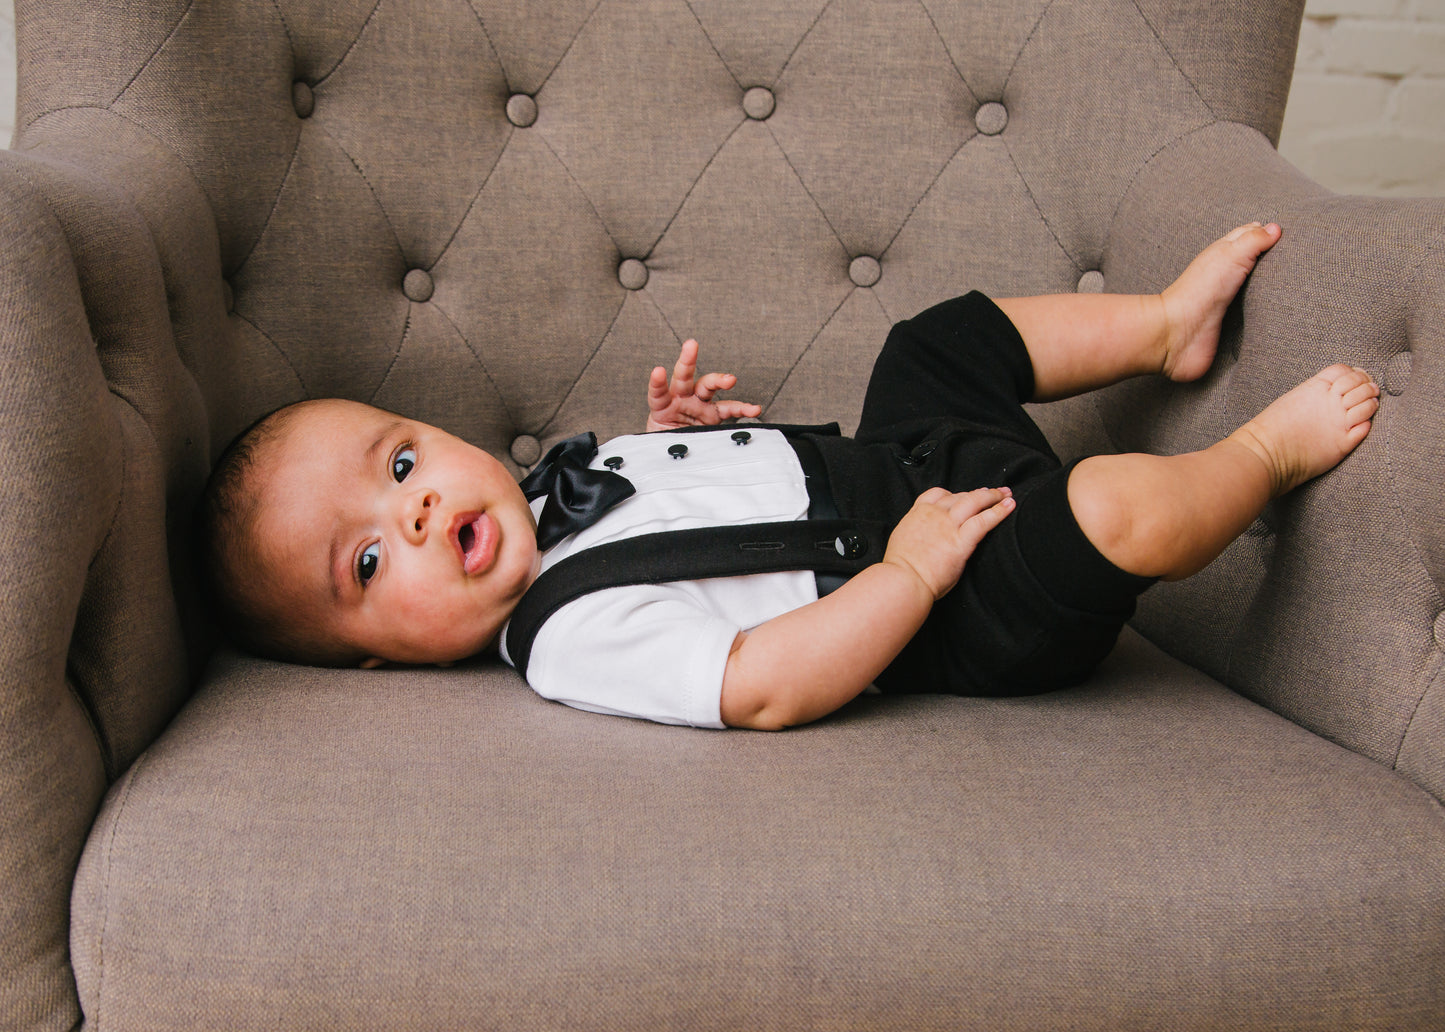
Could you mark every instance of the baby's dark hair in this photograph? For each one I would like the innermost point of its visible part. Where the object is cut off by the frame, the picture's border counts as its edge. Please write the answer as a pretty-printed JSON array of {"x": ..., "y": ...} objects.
[{"x": 231, "y": 566}]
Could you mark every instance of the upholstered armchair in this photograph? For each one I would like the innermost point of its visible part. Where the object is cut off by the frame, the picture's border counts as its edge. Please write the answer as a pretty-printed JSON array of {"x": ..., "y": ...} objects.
[{"x": 497, "y": 216}]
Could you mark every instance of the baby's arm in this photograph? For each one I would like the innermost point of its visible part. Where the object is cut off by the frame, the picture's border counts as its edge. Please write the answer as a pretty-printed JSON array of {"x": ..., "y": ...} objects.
[
  {"x": 689, "y": 400},
  {"x": 804, "y": 664}
]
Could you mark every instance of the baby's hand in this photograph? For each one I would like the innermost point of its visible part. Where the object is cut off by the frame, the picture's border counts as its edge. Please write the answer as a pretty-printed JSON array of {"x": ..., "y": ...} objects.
[
  {"x": 688, "y": 400},
  {"x": 940, "y": 532}
]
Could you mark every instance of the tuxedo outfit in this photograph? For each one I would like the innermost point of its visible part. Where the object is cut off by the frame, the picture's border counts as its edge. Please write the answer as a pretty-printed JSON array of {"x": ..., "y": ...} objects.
[{"x": 1036, "y": 608}]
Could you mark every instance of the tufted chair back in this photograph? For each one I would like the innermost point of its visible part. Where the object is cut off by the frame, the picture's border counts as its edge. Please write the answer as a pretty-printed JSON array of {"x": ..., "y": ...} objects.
[{"x": 496, "y": 216}]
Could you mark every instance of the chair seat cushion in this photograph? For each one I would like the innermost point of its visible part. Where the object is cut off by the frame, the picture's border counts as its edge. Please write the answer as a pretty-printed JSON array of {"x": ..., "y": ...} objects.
[{"x": 441, "y": 848}]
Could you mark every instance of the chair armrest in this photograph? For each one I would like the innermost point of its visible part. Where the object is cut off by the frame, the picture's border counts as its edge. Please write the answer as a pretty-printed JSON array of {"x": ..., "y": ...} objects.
[
  {"x": 53, "y": 516},
  {"x": 109, "y": 289},
  {"x": 1330, "y": 609}
]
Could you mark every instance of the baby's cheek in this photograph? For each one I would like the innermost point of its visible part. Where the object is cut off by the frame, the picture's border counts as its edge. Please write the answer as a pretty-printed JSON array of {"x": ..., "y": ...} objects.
[{"x": 461, "y": 625}]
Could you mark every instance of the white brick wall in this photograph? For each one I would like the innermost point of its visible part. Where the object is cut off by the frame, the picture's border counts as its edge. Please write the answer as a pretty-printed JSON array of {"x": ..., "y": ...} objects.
[
  {"x": 7, "y": 69},
  {"x": 1366, "y": 111}
]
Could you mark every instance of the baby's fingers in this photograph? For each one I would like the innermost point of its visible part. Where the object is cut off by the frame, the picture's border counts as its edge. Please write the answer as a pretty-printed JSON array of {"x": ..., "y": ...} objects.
[
  {"x": 685, "y": 369},
  {"x": 738, "y": 409},
  {"x": 714, "y": 382},
  {"x": 981, "y": 511},
  {"x": 971, "y": 503}
]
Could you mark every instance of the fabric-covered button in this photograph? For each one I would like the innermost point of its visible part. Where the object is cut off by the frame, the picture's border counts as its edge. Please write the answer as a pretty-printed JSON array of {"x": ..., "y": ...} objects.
[
  {"x": 526, "y": 450},
  {"x": 1397, "y": 374},
  {"x": 521, "y": 110},
  {"x": 758, "y": 103},
  {"x": 864, "y": 270},
  {"x": 741, "y": 437},
  {"x": 302, "y": 99},
  {"x": 1091, "y": 282},
  {"x": 678, "y": 451},
  {"x": 613, "y": 462},
  {"x": 632, "y": 274},
  {"x": 991, "y": 118},
  {"x": 417, "y": 285}
]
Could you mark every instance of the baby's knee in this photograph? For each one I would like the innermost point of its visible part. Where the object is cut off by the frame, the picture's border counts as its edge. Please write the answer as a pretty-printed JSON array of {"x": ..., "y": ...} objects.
[
  {"x": 1116, "y": 505},
  {"x": 1099, "y": 504}
]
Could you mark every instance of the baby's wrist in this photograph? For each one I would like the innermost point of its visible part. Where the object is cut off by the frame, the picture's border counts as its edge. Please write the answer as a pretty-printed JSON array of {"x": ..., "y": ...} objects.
[{"x": 913, "y": 578}]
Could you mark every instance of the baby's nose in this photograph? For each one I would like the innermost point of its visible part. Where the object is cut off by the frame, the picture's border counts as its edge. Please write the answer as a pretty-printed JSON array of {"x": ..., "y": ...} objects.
[{"x": 417, "y": 519}]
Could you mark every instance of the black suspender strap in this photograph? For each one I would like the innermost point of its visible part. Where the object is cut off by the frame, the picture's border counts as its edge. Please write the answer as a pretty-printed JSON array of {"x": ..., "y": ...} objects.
[{"x": 834, "y": 546}]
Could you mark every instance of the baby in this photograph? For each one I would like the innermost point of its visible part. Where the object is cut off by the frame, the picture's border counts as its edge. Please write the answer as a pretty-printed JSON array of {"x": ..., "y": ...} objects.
[{"x": 340, "y": 534}]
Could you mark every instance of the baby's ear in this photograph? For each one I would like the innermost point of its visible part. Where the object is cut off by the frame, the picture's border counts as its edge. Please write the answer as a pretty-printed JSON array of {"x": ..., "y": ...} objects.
[{"x": 372, "y": 663}]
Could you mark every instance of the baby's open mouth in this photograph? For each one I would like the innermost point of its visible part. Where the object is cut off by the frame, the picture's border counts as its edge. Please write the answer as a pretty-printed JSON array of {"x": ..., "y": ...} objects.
[{"x": 478, "y": 541}]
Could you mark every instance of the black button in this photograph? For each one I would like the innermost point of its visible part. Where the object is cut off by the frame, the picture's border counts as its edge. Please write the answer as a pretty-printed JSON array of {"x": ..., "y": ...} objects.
[
  {"x": 742, "y": 437},
  {"x": 678, "y": 451},
  {"x": 613, "y": 462},
  {"x": 919, "y": 455},
  {"x": 851, "y": 546}
]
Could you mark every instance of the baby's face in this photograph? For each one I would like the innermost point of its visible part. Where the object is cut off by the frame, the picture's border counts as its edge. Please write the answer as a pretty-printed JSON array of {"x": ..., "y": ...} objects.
[{"x": 391, "y": 536}]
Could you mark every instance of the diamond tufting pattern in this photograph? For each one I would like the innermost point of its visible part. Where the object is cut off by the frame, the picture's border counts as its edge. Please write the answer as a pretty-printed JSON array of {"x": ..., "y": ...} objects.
[{"x": 400, "y": 154}]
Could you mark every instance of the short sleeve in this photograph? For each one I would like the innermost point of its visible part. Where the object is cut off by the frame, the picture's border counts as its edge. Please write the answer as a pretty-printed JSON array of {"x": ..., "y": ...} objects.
[{"x": 649, "y": 651}]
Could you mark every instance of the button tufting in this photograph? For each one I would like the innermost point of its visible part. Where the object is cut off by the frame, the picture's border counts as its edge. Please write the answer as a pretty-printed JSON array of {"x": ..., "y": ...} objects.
[
  {"x": 864, "y": 270},
  {"x": 417, "y": 285},
  {"x": 1440, "y": 630},
  {"x": 758, "y": 103},
  {"x": 302, "y": 99},
  {"x": 991, "y": 118},
  {"x": 1091, "y": 282},
  {"x": 526, "y": 450},
  {"x": 521, "y": 110},
  {"x": 1397, "y": 374},
  {"x": 632, "y": 274}
]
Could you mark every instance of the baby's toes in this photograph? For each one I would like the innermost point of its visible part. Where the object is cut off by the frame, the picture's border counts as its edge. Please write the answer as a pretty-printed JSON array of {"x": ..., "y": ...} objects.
[
  {"x": 1365, "y": 390},
  {"x": 1342, "y": 378},
  {"x": 1361, "y": 408},
  {"x": 1253, "y": 239}
]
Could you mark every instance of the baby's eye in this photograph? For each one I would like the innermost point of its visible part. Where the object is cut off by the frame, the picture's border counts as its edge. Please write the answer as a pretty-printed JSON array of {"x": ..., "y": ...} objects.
[
  {"x": 366, "y": 565},
  {"x": 402, "y": 462}
]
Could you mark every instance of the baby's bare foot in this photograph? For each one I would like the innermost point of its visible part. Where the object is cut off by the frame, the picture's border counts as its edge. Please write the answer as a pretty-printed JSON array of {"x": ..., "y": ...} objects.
[
  {"x": 1312, "y": 428},
  {"x": 1194, "y": 304}
]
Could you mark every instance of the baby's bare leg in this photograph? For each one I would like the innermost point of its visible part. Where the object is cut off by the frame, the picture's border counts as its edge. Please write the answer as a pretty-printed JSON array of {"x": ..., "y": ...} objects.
[
  {"x": 1079, "y": 342},
  {"x": 1170, "y": 516}
]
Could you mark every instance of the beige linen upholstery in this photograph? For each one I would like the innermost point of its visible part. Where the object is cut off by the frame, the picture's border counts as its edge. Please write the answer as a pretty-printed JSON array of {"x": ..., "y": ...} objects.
[{"x": 497, "y": 217}]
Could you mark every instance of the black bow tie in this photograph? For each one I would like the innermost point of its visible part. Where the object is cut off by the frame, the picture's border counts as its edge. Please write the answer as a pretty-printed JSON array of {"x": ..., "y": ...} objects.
[{"x": 576, "y": 496}]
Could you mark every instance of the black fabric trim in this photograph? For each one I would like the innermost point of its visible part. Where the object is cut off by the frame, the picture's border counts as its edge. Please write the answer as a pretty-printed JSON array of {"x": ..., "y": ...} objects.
[{"x": 832, "y": 546}]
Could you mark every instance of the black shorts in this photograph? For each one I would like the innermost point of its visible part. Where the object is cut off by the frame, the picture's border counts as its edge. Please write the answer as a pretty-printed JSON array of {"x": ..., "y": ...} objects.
[{"x": 1038, "y": 606}]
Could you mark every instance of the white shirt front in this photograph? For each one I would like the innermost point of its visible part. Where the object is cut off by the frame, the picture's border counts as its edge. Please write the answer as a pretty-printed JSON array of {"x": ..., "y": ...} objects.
[{"x": 659, "y": 651}]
